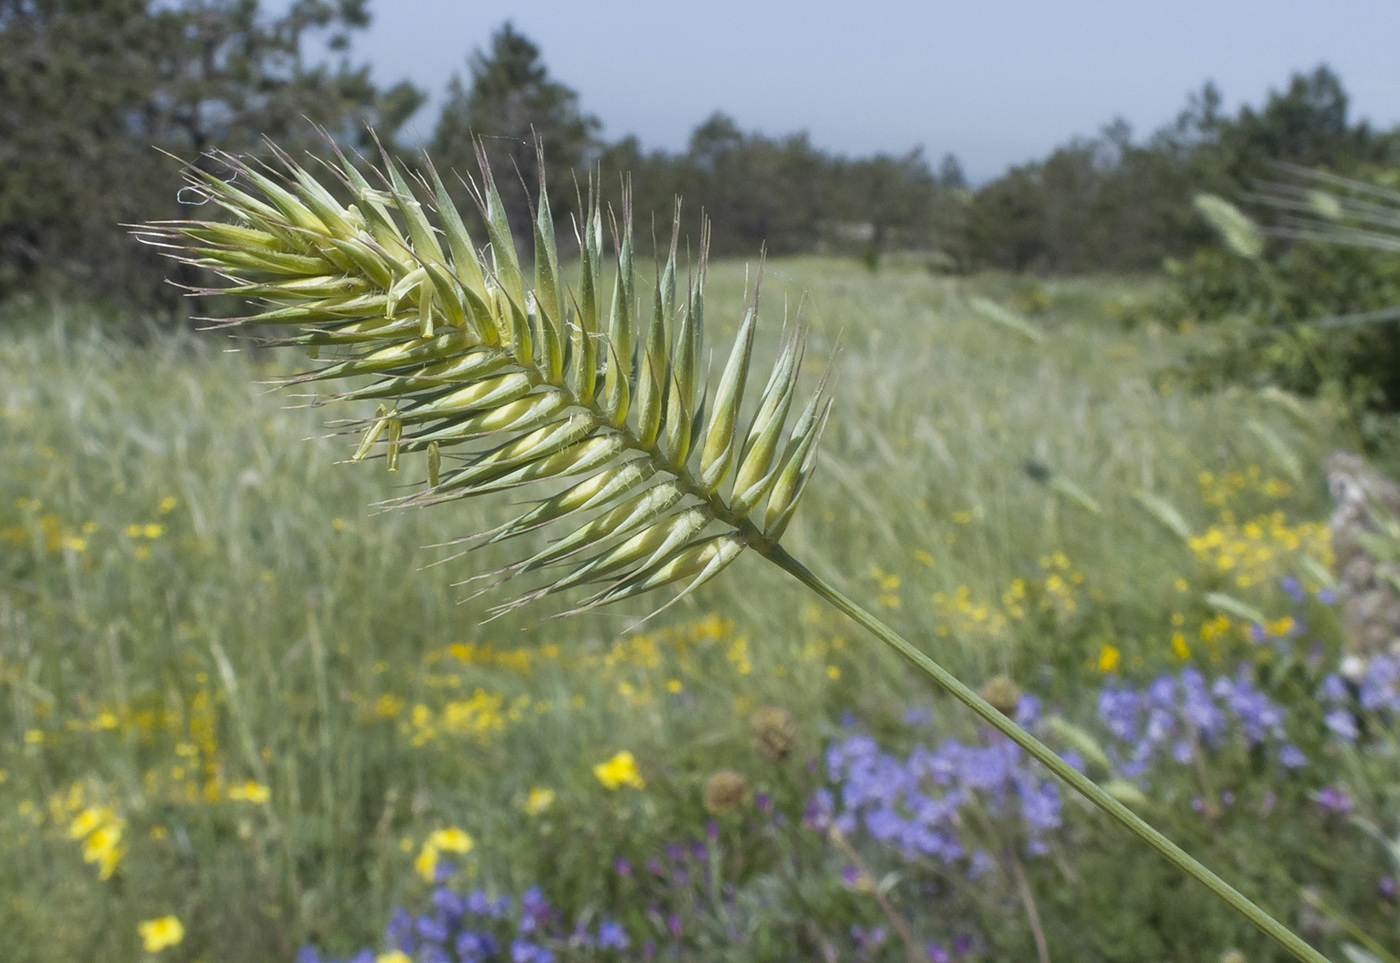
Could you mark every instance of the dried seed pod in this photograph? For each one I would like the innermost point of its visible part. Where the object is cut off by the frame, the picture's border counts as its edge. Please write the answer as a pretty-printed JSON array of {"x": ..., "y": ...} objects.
[
  {"x": 725, "y": 791},
  {"x": 1003, "y": 693},
  {"x": 774, "y": 732}
]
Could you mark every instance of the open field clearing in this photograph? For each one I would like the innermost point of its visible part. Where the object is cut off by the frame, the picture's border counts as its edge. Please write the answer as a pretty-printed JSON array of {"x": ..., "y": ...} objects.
[{"x": 236, "y": 693}]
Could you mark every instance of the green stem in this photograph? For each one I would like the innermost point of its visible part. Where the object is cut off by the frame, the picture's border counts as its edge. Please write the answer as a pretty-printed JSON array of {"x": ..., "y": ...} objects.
[{"x": 1048, "y": 758}]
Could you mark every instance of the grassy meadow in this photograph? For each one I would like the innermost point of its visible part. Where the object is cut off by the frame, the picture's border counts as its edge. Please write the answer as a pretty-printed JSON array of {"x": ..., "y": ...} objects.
[{"x": 236, "y": 693}]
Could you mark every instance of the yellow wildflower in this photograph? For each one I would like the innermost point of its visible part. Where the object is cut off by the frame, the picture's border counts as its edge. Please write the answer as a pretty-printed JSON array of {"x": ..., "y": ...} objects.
[
  {"x": 250, "y": 791},
  {"x": 90, "y": 819},
  {"x": 621, "y": 770},
  {"x": 738, "y": 655},
  {"x": 539, "y": 800},
  {"x": 156, "y": 935},
  {"x": 451, "y": 840},
  {"x": 1108, "y": 658},
  {"x": 104, "y": 847},
  {"x": 426, "y": 863},
  {"x": 393, "y": 956}
]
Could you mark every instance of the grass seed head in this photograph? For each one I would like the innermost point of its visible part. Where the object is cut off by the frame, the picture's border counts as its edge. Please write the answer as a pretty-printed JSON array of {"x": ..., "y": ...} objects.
[{"x": 512, "y": 376}]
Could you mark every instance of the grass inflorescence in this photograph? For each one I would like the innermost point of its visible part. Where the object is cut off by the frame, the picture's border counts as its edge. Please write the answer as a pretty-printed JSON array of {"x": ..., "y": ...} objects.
[{"x": 520, "y": 381}]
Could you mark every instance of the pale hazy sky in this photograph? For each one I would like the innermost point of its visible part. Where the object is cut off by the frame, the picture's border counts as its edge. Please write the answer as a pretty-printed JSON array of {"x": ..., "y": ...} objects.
[{"x": 994, "y": 81}]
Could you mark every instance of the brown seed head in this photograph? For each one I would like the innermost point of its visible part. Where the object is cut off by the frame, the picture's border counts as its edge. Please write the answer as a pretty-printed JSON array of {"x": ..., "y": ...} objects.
[
  {"x": 725, "y": 791},
  {"x": 774, "y": 732},
  {"x": 1002, "y": 693}
]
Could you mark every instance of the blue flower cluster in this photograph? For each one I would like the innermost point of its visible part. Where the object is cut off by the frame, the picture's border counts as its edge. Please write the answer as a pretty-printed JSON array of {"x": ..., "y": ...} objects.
[
  {"x": 474, "y": 928},
  {"x": 1293, "y": 587},
  {"x": 916, "y": 804},
  {"x": 675, "y": 883},
  {"x": 1180, "y": 717},
  {"x": 1375, "y": 688}
]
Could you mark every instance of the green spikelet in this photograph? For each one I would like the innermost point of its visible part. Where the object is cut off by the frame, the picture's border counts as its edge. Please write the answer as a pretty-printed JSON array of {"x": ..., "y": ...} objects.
[{"x": 516, "y": 376}]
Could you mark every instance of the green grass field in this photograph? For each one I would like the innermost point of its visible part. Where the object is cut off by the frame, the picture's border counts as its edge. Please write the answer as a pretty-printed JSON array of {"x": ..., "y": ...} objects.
[{"x": 237, "y": 693}]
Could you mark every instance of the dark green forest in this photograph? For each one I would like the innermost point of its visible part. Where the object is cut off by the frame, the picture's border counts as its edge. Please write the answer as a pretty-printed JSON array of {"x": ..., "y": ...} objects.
[{"x": 94, "y": 94}]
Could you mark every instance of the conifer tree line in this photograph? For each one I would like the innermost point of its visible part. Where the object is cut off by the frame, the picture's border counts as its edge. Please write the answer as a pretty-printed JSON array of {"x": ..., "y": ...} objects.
[{"x": 91, "y": 92}]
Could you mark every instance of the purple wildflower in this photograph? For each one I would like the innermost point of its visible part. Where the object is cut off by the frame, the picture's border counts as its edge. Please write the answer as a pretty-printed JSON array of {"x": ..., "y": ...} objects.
[
  {"x": 1333, "y": 689},
  {"x": 819, "y": 811},
  {"x": 431, "y": 928},
  {"x": 451, "y": 905},
  {"x": 398, "y": 932},
  {"x": 534, "y": 911},
  {"x": 475, "y": 947},
  {"x": 1333, "y": 800},
  {"x": 612, "y": 936},
  {"x": 918, "y": 716},
  {"x": 1027, "y": 711},
  {"x": 1343, "y": 723},
  {"x": 523, "y": 951},
  {"x": 1380, "y": 686}
]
